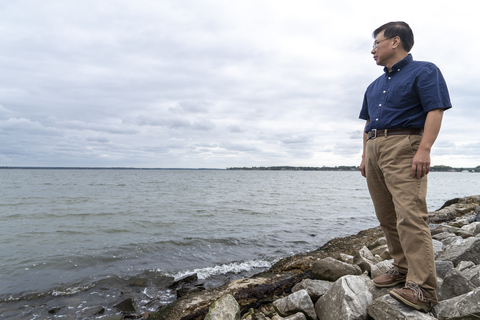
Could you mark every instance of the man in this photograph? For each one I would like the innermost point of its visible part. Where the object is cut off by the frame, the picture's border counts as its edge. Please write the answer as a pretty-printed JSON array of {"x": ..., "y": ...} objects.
[{"x": 403, "y": 109}]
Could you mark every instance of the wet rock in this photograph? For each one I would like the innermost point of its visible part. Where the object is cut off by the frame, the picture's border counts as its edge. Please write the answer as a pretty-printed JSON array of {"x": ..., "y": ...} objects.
[
  {"x": 92, "y": 311},
  {"x": 225, "y": 308},
  {"x": 298, "y": 301},
  {"x": 54, "y": 310},
  {"x": 315, "y": 288},
  {"x": 114, "y": 317},
  {"x": 348, "y": 299},
  {"x": 186, "y": 290},
  {"x": 331, "y": 270},
  {"x": 365, "y": 259},
  {"x": 387, "y": 308},
  {"x": 127, "y": 305},
  {"x": 179, "y": 283},
  {"x": 464, "y": 250},
  {"x": 454, "y": 284},
  {"x": 465, "y": 306}
]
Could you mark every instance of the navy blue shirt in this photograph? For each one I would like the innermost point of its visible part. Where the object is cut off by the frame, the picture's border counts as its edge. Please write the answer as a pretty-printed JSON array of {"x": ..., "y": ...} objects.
[{"x": 403, "y": 97}]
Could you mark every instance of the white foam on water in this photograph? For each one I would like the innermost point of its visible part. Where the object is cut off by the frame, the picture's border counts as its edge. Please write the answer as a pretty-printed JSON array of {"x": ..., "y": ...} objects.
[{"x": 235, "y": 267}]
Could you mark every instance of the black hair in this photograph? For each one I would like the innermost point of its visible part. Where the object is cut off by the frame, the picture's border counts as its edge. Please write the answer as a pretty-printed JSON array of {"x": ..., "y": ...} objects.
[{"x": 400, "y": 29}]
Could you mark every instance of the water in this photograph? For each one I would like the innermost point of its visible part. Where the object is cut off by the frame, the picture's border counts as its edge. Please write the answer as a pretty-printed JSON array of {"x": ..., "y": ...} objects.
[{"x": 69, "y": 231}]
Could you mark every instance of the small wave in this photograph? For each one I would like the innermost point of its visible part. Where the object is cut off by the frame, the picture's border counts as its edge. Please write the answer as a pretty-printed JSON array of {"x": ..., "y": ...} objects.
[{"x": 235, "y": 267}]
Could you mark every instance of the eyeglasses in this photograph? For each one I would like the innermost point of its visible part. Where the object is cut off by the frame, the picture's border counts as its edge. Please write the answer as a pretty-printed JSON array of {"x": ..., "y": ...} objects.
[{"x": 375, "y": 43}]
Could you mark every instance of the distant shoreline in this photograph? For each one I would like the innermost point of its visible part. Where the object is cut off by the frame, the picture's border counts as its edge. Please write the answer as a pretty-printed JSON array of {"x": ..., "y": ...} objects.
[
  {"x": 106, "y": 168},
  {"x": 440, "y": 168}
]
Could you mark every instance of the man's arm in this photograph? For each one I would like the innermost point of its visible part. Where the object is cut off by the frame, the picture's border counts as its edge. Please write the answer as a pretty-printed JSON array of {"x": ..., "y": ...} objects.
[
  {"x": 421, "y": 160},
  {"x": 362, "y": 164}
]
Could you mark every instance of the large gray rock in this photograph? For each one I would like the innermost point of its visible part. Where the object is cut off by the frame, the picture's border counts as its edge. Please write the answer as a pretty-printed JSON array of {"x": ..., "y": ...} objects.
[
  {"x": 346, "y": 258},
  {"x": 379, "y": 242},
  {"x": 459, "y": 223},
  {"x": 315, "y": 288},
  {"x": 472, "y": 228},
  {"x": 464, "y": 265},
  {"x": 387, "y": 308},
  {"x": 464, "y": 307},
  {"x": 472, "y": 275},
  {"x": 380, "y": 268},
  {"x": 296, "y": 316},
  {"x": 443, "y": 235},
  {"x": 443, "y": 267},
  {"x": 454, "y": 284},
  {"x": 380, "y": 292},
  {"x": 296, "y": 302},
  {"x": 365, "y": 259},
  {"x": 225, "y": 308},
  {"x": 464, "y": 250},
  {"x": 331, "y": 270},
  {"x": 437, "y": 246},
  {"x": 348, "y": 299},
  {"x": 444, "y": 228},
  {"x": 382, "y": 251},
  {"x": 451, "y": 240}
]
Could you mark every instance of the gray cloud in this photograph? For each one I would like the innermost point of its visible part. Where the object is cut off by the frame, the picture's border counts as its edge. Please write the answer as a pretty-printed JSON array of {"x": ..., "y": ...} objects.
[{"x": 211, "y": 84}]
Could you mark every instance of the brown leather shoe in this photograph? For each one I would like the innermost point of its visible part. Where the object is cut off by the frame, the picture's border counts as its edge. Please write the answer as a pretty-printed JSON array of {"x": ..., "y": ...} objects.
[
  {"x": 389, "y": 279},
  {"x": 413, "y": 296}
]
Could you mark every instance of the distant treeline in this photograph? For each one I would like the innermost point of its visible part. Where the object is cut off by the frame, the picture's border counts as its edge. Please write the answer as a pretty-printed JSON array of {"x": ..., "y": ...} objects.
[
  {"x": 336, "y": 168},
  {"x": 440, "y": 168}
]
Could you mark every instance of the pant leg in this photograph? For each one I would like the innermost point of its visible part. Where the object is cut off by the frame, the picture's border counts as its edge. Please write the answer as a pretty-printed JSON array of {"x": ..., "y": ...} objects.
[
  {"x": 384, "y": 206},
  {"x": 394, "y": 155}
]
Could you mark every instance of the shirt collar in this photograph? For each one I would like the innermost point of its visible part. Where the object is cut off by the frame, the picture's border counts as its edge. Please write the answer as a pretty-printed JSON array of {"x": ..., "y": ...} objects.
[{"x": 400, "y": 64}]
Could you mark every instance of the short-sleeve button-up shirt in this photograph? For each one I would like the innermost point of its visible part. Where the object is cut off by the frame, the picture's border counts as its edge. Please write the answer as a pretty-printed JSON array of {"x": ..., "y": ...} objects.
[{"x": 403, "y": 97}]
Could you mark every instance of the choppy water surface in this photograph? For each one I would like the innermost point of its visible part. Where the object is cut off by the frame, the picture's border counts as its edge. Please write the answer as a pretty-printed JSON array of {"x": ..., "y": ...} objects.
[{"x": 64, "y": 231}]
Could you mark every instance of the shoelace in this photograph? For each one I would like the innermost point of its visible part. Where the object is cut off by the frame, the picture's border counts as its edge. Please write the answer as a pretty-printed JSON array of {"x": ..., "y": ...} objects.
[{"x": 417, "y": 290}]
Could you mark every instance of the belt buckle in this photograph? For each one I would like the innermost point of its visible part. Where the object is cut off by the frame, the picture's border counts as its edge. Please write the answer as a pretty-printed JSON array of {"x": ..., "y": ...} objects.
[{"x": 372, "y": 134}]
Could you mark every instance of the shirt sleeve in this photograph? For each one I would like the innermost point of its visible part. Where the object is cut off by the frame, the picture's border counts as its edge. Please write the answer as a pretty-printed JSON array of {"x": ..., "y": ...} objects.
[
  {"x": 432, "y": 89},
  {"x": 364, "y": 112}
]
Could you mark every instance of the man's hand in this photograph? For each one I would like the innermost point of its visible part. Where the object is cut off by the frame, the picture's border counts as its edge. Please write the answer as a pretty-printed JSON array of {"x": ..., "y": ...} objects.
[
  {"x": 362, "y": 167},
  {"x": 421, "y": 164}
]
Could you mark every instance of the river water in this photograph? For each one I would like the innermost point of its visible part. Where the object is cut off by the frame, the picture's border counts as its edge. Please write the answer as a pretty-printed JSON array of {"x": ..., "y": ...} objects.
[{"x": 64, "y": 232}]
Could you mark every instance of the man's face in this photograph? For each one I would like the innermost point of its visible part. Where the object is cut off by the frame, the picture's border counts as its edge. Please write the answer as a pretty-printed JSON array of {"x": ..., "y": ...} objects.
[{"x": 382, "y": 49}]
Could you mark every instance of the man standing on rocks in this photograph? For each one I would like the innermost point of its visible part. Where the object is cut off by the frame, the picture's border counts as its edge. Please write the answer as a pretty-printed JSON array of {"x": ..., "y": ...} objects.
[{"x": 404, "y": 110}]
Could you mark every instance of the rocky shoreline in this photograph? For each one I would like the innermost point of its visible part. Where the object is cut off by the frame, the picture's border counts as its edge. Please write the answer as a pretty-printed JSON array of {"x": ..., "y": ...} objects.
[{"x": 334, "y": 281}]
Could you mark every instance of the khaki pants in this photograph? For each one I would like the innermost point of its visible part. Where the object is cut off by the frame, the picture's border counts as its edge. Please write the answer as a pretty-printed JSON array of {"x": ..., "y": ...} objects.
[{"x": 400, "y": 206}]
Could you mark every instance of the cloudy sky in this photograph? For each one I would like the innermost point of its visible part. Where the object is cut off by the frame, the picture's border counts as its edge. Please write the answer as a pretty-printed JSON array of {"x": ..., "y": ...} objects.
[{"x": 214, "y": 83}]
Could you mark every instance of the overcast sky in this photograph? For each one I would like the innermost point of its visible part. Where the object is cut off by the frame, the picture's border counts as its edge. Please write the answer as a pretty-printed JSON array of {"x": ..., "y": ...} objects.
[{"x": 216, "y": 84}]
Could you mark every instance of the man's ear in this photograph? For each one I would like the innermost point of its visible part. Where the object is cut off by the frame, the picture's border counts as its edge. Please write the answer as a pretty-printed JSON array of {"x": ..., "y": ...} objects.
[{"x": 397, "y": 42}]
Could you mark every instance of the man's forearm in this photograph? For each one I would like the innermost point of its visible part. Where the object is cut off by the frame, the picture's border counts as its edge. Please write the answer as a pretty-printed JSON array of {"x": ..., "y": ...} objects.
[
  {"x": 431, "y": 129},
  {"x": 421, "y": 160}
]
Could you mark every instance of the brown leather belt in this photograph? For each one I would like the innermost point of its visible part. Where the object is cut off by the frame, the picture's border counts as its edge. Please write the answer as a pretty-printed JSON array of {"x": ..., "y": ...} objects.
[{"x": 374, "y": 133}]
